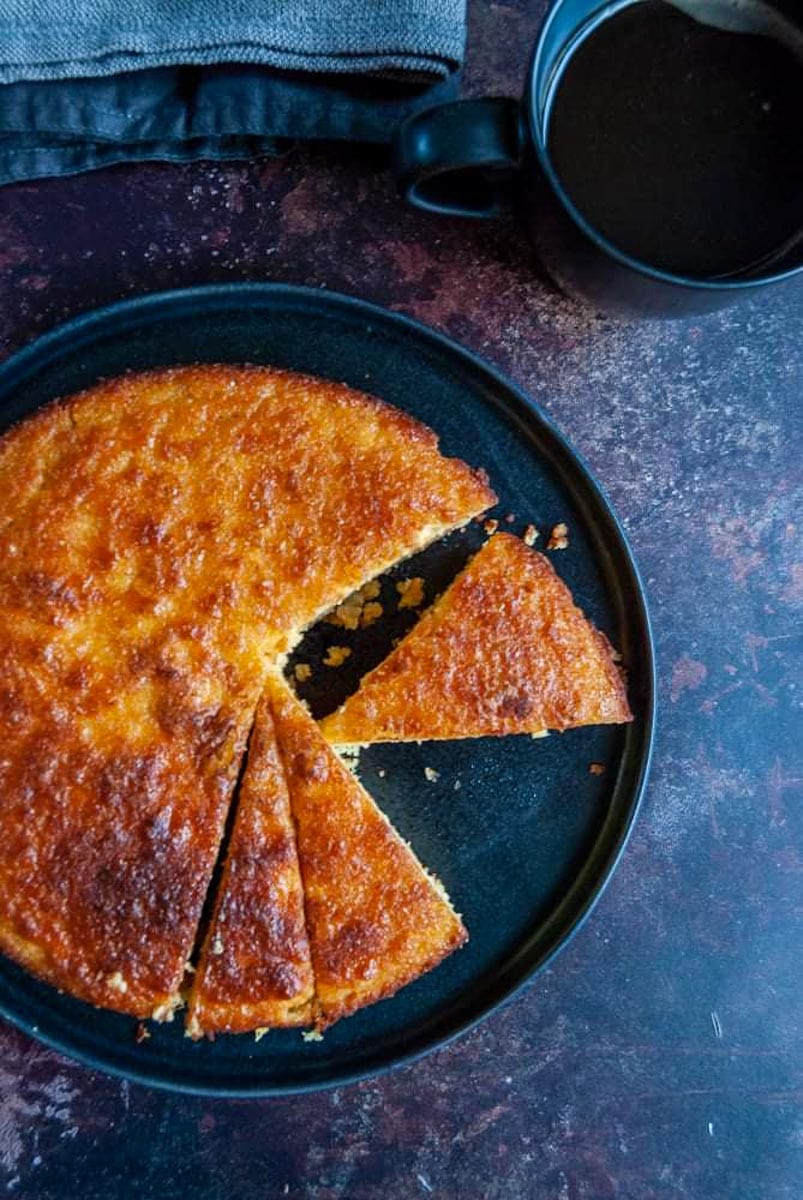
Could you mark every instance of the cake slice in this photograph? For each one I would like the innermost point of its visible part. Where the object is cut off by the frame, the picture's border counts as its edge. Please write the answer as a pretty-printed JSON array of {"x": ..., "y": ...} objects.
[
  {"x": 503, "y": 650},
  {"x": 375, "y": 919},
  {"x": 254, "y": 969}
]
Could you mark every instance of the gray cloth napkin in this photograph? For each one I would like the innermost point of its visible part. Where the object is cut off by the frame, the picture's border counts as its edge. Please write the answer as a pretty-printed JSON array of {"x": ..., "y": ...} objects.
[
  {"x": 60, "y": 39},
  {"x": 90, "y": 83}
]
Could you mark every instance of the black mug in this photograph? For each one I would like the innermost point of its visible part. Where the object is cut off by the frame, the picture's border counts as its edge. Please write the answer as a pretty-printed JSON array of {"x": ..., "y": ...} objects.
[{"x": 467, "y": 157}]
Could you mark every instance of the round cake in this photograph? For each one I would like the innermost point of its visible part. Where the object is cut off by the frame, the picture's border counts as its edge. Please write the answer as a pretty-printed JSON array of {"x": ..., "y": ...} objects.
[{"x": 164, "y": 541}]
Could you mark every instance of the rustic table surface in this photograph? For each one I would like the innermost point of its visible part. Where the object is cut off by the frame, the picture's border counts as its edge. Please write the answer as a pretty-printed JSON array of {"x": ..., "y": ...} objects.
[{"x": 660, "y": 1055}]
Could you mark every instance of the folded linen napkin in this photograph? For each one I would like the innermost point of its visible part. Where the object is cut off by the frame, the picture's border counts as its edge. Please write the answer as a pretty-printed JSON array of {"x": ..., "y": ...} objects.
[{"x": 85, "y": 83}]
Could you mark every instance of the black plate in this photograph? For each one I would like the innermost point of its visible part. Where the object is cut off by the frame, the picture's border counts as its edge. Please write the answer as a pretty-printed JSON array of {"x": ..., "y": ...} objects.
[{"x": 528, "y": 841}]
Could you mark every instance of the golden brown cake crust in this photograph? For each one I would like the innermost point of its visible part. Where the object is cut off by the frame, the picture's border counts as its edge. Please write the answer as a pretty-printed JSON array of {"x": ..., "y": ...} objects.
[
  {"x": 504, "y": 650},
  {"x": 255, "y": 970},
  {"x": 375, "y": 919},
  {"x": 164, "y": 537}
]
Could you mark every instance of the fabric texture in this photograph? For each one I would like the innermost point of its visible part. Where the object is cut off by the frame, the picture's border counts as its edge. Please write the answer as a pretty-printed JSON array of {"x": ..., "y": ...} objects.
[
  {"x": 57, "y": 39},
  {"x": 87, "y": 83}
]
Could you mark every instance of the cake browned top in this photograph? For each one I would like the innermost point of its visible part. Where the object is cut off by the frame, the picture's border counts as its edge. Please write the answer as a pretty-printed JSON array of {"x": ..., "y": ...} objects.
[
  {"x": 504, "y": 650},
  {"x": 375, "y": 919},
  {"x": 255, "y": 969},
  {"x": 163, "y": 538}
]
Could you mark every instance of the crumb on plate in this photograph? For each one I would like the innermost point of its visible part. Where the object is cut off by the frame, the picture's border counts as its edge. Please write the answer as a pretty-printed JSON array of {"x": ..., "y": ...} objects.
[
  {"x": 336, "y": 656},
  {"x": 302, "y": 672},
  {"x": 349, "y": 614},
  {"x": 529, "y": 535},
  {"x": 350, "y": 756},
  {"x": 370, "y": 613},
  {"x": 559, "y": 537},
  {"x": 411, "y": 592}
]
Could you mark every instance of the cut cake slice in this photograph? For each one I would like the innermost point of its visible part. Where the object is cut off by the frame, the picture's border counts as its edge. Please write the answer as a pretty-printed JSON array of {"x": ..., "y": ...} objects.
[
  {"x": 254, "y": 969},
  {"x": 375, "y": 919},
  {"x": 504, "y": 650}
]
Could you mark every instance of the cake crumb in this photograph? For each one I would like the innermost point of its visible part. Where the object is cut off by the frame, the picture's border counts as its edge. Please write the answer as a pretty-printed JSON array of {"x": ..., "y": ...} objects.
[
  {"x": 457, "y": 785},
  {"x": 491, "y": 526},
  {"x": 260, "y": 1032},
  {"x": 431, "y": 774},
  {"x": 142, "y": 1033},
  {"x": 167, "y": 1010},
  {"x": 529, "y": 535},
  {"x": 336, "y": 656},
  {"x": 411, "y": 592},
  {"x": 596, "y": 768},
  {"x": 349, "y": 614},
  {"x": 302, "y": 672},
  {"x": 559, "y": 537},
  {"x": 345, "y": 616},
  {"x": 350, "y": 756},
  {"x": 381, "y": 772},
  {"x": 312, "y": 1035},
  {"x": 510, "y": 518},
  {"x": 370, "y": 613}
]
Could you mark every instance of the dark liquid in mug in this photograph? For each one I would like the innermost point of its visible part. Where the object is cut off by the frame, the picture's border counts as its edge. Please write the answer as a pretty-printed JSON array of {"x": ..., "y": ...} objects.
[{"x": 681, "y": 143}]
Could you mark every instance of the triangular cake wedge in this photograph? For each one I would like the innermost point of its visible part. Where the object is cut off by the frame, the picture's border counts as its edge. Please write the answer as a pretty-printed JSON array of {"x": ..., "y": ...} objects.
[
  {"x": 375, "y": 919},
  {"x": 164, "y": 538},
  {"x": 504, "y": 650},
  {"x": 254, "y": 969}
]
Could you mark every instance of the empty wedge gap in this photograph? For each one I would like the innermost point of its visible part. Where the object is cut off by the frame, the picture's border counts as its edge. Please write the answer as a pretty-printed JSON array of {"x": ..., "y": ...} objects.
[{"x": 325, "y": 688}]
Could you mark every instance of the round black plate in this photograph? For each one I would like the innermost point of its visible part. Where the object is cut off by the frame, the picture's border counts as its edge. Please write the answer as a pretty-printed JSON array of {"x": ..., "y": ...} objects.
[{"x": 527, "y": 842}]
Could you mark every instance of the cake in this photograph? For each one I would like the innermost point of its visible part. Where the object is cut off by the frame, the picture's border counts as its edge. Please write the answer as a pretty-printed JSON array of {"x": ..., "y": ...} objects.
[
  {"x": 504, "y": 650},
  {"x": 254, "y": 969},
  {"x": 164, "y": 539},
  {"x": 376, "y": 920}
]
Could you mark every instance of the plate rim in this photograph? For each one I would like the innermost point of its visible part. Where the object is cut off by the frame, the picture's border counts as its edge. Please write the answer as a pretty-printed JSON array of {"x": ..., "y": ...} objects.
[{"x": 600, "y": 863}]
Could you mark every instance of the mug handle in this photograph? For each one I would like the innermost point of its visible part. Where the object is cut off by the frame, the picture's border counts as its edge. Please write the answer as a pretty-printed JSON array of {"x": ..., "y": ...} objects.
[{"x": 460, "y": 158}]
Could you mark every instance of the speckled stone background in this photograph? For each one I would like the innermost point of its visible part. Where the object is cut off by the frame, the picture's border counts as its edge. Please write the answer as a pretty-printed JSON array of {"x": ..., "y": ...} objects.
[{"x": 660, "y": 1057}]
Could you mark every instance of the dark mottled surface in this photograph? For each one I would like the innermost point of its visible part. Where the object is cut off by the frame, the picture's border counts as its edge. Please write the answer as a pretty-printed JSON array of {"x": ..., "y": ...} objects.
[{"x": 660, "y": 1056}]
